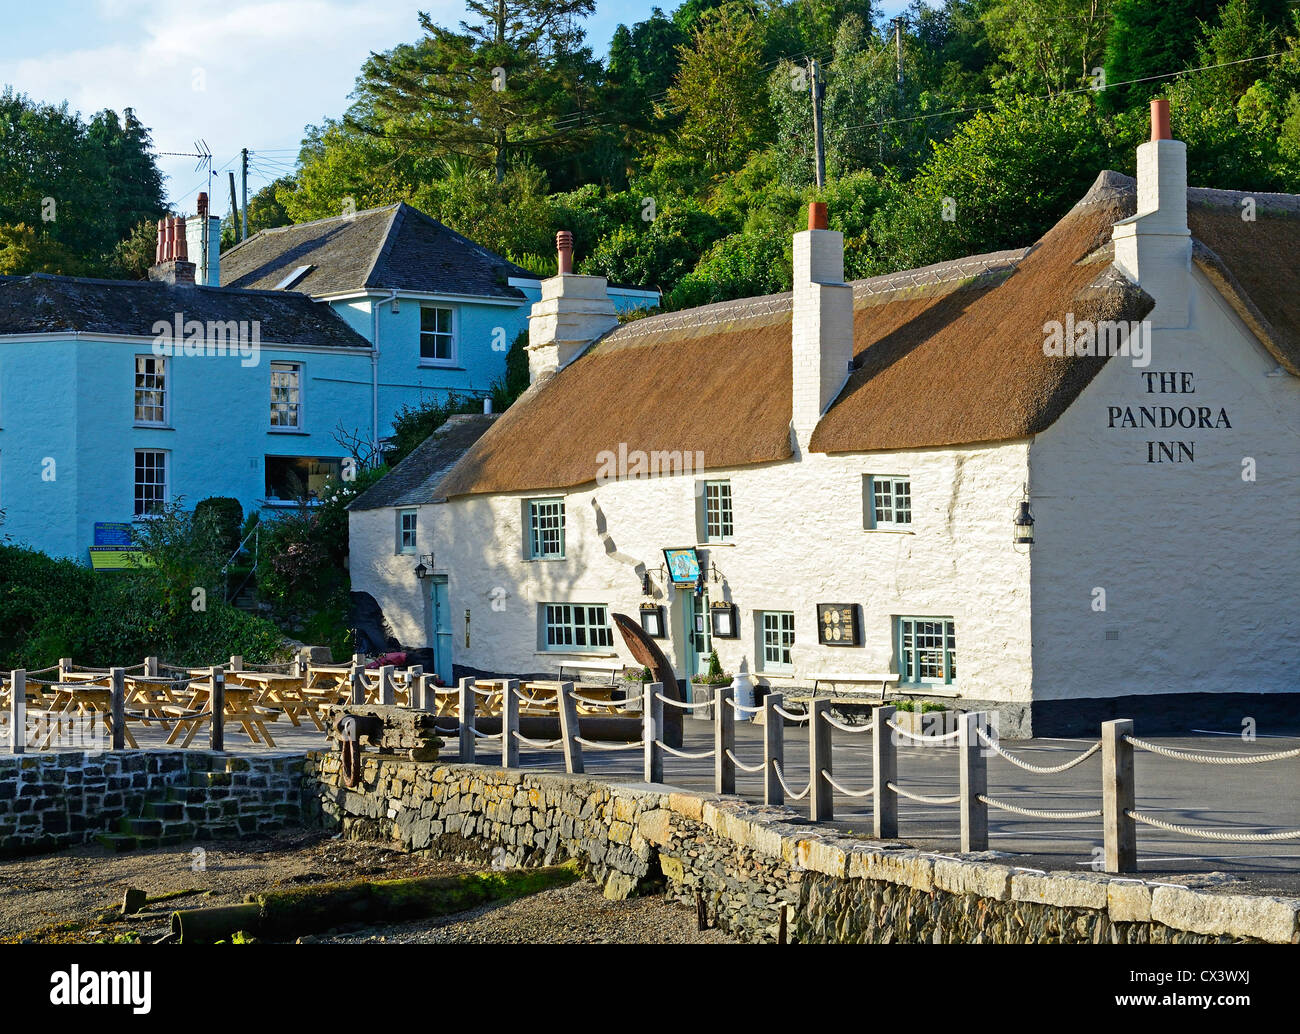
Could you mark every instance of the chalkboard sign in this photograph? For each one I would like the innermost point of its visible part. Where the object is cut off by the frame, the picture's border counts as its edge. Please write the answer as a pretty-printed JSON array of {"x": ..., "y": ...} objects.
[{"x": 838, "y": 624}]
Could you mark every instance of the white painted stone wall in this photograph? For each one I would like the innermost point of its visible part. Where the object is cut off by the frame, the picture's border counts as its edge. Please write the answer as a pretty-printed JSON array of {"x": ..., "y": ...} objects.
[
  {"x": 1199, "y": 567},
  {"x": 799, "y": 541}
]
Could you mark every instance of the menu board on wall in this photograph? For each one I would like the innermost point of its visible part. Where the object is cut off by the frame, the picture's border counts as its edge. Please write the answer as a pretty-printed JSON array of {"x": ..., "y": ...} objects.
[{"x": 838, "y": 624}]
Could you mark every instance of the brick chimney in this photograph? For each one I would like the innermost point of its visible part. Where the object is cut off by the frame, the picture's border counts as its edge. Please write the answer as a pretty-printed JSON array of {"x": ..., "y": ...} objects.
[
  {"x": 204, "y": 246},
  {"x": 1154, "y": 247},
  {"x": 573, "y": 312},
  {"x": 822, "y": 324},
  {"x": 172, "y": 255}
]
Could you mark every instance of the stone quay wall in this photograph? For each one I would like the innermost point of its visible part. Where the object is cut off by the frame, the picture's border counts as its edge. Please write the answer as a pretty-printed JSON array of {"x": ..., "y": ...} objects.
[
  {"x": 749, "y": 865},
  {"x": 143, "y": 798}
]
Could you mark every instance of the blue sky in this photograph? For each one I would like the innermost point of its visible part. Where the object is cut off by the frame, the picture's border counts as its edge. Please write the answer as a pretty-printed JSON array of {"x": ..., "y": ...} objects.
[{"x": 246, "y": 73}]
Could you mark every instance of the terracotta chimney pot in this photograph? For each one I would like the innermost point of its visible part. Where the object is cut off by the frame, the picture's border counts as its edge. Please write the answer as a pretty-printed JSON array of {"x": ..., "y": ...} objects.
[
  {"x": 817, "y": 215},
  {"x": 1160, "y": 120},
  {"x": 564, "y": 251}
]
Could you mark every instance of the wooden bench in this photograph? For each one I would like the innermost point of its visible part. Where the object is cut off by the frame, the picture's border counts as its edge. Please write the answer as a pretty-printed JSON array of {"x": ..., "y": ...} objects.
[
  {"x": 861, "y": 678},
  {"x": 610, "y": 668}
]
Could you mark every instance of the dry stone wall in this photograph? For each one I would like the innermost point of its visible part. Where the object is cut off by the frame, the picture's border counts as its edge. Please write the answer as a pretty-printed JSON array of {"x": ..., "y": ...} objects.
[{"x": 749, "y": 865}]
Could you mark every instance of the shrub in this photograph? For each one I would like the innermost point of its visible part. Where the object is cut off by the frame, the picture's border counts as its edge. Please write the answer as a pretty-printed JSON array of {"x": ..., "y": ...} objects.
[{"x": 227, "y": 516}]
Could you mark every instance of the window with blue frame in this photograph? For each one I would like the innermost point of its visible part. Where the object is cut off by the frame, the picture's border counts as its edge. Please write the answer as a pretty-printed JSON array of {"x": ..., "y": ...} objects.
[
  {"x": 546, "y": 529},
  {"x": 406, "y": 531},
  {"x": 777, "y": 628},
  {"x": 576, "y": 626},
  {"x": 718, "y": 524},
  {"x": 927, "y": 650}
]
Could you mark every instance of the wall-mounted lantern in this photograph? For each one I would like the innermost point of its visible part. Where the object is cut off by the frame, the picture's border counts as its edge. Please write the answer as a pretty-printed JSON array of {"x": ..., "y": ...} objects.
[
  {"x": 645, "y": 584},
  {"x": 1023, "y": 525},
  {"x": 425, "y": 567}
]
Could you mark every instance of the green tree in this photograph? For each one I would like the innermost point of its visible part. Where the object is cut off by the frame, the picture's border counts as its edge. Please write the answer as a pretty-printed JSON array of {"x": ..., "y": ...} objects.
[
  {"x": 718, "y": 93},
  {"x": 1053, "y": 44},
  {"x": 513, "y": 79}
]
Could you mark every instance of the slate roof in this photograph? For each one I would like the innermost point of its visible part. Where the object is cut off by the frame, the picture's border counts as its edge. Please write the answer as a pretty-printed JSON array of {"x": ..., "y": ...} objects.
[
  {"x": 395, "y": 247},
  {"x": 414, "y": 481},
  {"x": 44, "y": 304}
]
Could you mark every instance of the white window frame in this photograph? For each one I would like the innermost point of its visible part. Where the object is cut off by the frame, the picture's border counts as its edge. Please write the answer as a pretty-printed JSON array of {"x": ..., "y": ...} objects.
[
  {"x": 453, "y": 349},
  {"x": 403, "y": 547},
  {"x": 563, "y": 624},
  {"x": 536, "y": 530},
  {"x": 885, "y": 516},
  {"x": 726, "y": 512},
  {"x": 298, "y": 368},
  {"x": 160, "y": 364},
  {"x": 771, "y": 636},
  {"x": 136, "y": 483},
  {"x": 909, "y": 657}
]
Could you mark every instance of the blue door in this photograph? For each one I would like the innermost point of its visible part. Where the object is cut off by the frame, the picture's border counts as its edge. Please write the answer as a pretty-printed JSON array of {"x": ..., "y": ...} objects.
[{"x": 441, "y": 621}]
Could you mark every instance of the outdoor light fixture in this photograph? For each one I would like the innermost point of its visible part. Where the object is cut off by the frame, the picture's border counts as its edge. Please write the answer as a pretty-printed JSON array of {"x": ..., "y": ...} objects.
[
  {"x": 699, "y": 583},
  {"x": 1023, "y": 525},
  {"x": 645, "y": 584},
  {"x": 423, "y": 568}
]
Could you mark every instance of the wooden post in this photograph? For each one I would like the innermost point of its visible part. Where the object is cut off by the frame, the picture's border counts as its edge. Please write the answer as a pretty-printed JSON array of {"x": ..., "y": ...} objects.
[
  {"x": 569, "y": 730},
  {"x": 509, "y": 723},
  {"x": 773, "y": 749},
  {"x": 422, "y": 694},
  {"x": 821, "y": 799},
  {"x": 357, "y": 684},
  {"x": 1117, "y": 796},
  {"x": 236, "y": 663},
  {"x": 117, "y": 676},
  {"x": 884, "y": 769},
  {"x": 387, "y": 688},
  {"x": 724, "y": 740},
  {"x": 652, "y": 717},
  {"x": 217, "y": 703},
  {"x": 466, "y": 719},
  {"x": 151, "y": 667},
  {"x": 18, "y": 711},
  {"x": 413, "y": 675},
  {"x": 65, "y": 666},
  {"x": 974, "y": 782}
]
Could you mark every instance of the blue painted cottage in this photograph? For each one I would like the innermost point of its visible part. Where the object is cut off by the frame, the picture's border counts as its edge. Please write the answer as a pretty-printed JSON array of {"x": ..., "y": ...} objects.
[{"x": 233, "y": 374}]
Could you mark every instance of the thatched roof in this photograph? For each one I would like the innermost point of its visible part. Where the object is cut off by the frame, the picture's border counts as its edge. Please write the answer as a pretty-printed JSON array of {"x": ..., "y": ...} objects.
[
  {"x": 414, "y": 481},
  {"x": 947, "y": 355}
]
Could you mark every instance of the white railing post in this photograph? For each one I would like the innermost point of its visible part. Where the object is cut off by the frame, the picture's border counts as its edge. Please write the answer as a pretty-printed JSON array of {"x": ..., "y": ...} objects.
[
  {"x": 428, "y": 700},
  {"x": 821, "y": 798},
  {"x": 974, "y": 782},
  {"x": 65, "y": 668},
  {"x": 466, "y": 721},
  {"x": 217, "y": 704},
  {"x": 357, "y": 684},
  {"x": 18, "y": 711},
  {"x": 509, "y": 723},
  {"x": 117, "y": 678},
  {"x": 773, "y": 749},
  {"x": 1118, "y": 796},
  {"x": 387, "y": 688},
  {"x": 884, "y": 770},
  {"x": 236, "y": 664},
  {"x": 724, "y": 740},
  {"x": 151, "y": 667},
  {"x": 569, "y": 730},
  {"x": 652, "y": 719}
]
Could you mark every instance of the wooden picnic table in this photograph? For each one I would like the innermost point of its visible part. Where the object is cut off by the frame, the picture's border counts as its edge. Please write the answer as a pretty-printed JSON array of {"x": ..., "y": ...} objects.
[
  {"x": 241, "y": 707},
  {"x": 84, "y": 700},
  {"x": 278, "y": 690},
  {"x": 154, "y": 695}
]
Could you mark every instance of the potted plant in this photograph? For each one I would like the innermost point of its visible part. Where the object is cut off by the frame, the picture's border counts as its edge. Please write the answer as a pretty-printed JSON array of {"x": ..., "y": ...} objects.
[
  {"x": 925, "y": 717},
  {"x": 707, "y": 680}
]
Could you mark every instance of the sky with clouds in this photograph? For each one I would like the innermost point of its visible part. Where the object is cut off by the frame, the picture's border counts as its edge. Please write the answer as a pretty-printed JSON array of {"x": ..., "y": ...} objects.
[{"x": 248, "y": 73}]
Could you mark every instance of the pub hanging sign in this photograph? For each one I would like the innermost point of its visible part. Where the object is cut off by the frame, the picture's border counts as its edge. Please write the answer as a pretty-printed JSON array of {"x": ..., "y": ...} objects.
[{"x": 839, "y": 624}]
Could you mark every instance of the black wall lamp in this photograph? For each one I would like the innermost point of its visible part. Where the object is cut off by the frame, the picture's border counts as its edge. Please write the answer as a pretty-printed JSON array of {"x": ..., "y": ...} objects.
[{"x": 425, "y": 567}]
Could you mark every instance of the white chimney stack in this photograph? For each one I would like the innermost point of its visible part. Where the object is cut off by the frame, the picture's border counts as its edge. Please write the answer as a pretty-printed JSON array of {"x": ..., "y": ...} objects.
[
  {"x": 1154, "y": 247},
  {"x": 572, "y": 313},
  {"x": 822, "y": 324}
]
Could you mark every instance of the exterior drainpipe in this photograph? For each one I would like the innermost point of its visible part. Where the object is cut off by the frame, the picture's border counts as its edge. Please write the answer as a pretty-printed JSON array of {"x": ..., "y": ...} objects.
[{"x": 374, "y": 371}]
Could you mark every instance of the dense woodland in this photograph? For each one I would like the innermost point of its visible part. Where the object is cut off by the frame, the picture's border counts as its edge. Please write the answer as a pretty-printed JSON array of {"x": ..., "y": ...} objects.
[{"x": 683, "y": 159}]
